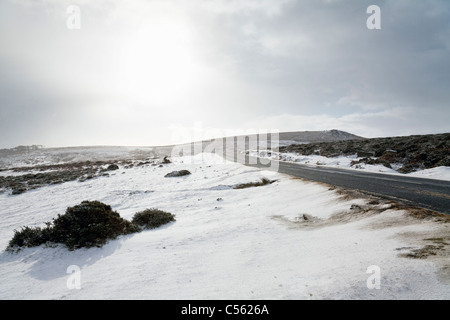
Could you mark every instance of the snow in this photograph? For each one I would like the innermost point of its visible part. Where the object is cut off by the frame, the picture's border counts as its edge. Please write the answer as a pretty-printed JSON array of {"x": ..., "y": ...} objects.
[
  {"x": 441, "y": 173},
  {"x": 50, "y": 156},
  {"x": 245, "y": 246},
  {"x": 344, "y": 162}
]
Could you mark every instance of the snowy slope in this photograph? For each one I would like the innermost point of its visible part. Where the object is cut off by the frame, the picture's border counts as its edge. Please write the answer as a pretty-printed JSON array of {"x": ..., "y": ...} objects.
[
  {"x": 45, "y": 156},
  {"x": 225, "y": 243}
]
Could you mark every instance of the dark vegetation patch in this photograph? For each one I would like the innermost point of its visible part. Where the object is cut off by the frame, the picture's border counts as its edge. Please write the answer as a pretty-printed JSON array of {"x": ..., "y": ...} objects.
[
  {"x": 152, "y": 218},
  {"x": 410, "y": 153},
  {"x": 60, "y": 173},
  {"x": 262, "y": 182},
  {"x": 420, "y": 213},
  {"x": 425, "y": 251},
  {"x": 29, "y": 237},
  {"x": 54, "y": 174},
  {"x": 112, "y": 167},
  {"x": 89, "y": 224},
  {"x": 438, "y": 240}
]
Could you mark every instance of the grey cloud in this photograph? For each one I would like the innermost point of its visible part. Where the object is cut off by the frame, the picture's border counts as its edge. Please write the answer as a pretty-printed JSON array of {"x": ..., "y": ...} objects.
[{"x": 299, "y": 58}]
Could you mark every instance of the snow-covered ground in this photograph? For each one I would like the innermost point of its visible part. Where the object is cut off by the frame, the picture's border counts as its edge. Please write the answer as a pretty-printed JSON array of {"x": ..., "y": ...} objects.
[
  {"x": 344, "y": 162},
  {"x": 225, "y": 244},
  {"x": 40, "y": 157}
]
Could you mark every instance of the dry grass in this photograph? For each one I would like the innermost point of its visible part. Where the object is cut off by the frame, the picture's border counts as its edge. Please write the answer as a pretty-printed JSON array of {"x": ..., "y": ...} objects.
[
  {"x": 263, "y": 182},
  {"x": 420, "y": 213}
]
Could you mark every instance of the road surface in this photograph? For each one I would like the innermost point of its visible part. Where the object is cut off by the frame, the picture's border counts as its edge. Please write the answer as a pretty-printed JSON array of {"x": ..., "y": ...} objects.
[
  {"x": 419, "y": 192},
  {"x": 425, "y": 193}
]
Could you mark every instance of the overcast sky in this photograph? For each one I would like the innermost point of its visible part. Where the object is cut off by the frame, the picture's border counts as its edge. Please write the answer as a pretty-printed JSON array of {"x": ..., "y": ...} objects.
[{"x": 146, "y": 72}]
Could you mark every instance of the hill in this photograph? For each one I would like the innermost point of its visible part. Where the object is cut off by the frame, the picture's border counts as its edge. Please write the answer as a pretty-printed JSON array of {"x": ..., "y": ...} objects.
[
  {"x": 318, "y": 136},
  {"x": 407, "y": 153}
]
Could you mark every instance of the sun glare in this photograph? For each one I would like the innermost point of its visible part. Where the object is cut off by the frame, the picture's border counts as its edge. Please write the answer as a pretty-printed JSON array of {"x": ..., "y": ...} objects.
[{"x": 158, "y": 63}]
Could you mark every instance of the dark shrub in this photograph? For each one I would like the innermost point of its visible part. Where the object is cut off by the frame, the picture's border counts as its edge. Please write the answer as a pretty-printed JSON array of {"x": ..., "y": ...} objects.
[
  {"x": 445, "y": 161},
  {"x": 29, "y": 237},
  {"x": 152, "y": 218},
  {"x": 407, "y": 168},
  {"x": 112, "y": 167},
  {"x": 89, "y": 224},
  {"x": 177, "y": 173},
  {"x": 18, "y": 190}
]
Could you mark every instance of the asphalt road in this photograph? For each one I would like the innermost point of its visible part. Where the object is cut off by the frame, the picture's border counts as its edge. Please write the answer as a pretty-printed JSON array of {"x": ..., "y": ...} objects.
[{"x": 420, "y": 192}]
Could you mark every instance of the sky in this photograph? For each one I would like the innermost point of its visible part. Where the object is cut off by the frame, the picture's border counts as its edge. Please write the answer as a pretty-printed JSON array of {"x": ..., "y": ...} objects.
[{"x": 144, "y": 73}]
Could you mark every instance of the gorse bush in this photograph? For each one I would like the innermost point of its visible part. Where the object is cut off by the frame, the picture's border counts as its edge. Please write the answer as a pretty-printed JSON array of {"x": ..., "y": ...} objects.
[
  {"x": 112, "y": 167},
  {"x": 89, "y": 224},
  {"x": 29, "y": 237},
  {"x": 152, "y": 218}
]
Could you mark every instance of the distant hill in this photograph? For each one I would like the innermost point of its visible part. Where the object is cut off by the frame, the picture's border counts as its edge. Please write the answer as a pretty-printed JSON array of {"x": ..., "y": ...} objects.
[
  {"x": 23, "y": 156},
  {"x": 284, "y": 139},
  {"x": 318, "y": 136},
  {"x": 408, "y": 153},
  {"x": 303, "y": 137},
  {"x": 310, "y": 136}
]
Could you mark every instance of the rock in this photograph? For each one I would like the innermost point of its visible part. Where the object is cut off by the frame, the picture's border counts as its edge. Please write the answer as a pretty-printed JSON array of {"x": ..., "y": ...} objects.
[
  {"x": 166, "y": 160},
  {"x": 179, "y": 173}
]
